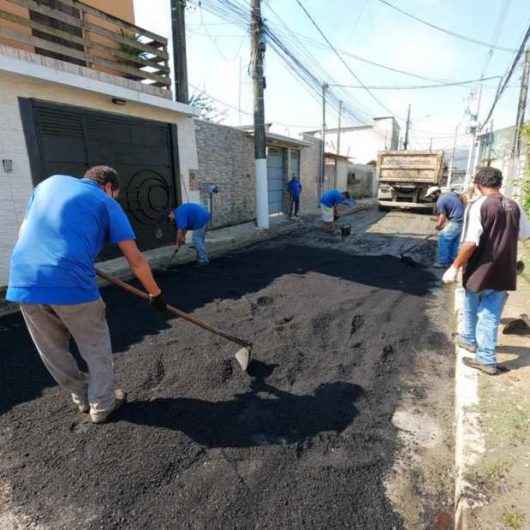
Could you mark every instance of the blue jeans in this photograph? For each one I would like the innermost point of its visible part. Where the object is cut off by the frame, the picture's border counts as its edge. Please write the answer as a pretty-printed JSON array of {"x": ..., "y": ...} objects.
[
  {"x": 482, "y": 316},
  {"x": 448, "y": 243},
  {"x": 198, "y": 238}
]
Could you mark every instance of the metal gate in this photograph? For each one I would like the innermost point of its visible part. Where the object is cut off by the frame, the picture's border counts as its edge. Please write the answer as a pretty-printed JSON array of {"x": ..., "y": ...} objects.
[
  {"x": 275, "y": 180},
  {"x": 330, "y": 176},
  {"x": 68, "y": 140}
]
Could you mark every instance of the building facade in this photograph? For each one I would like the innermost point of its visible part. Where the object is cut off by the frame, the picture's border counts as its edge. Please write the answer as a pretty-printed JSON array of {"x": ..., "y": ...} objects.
[
  {"x": 63, "y": 116},
  {"x": 362, "y": 143}
]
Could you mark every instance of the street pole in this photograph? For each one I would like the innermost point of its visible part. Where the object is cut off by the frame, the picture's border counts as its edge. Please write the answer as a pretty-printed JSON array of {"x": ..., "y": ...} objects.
[
  {"x": 339, "y": 131},
  {"x": 260, "y": 149},
  {"x": 513, "y": 170},
  {"x": 452, "y": 164},
  {"x": 521, "y": 107},
  {"x": 180, "y": 65},
  {"x": 239, "y": 95},
  {"x": 406, "y": 142},
  {"x": 325, "y": 86},
  {"x": 472, "y": 160}
]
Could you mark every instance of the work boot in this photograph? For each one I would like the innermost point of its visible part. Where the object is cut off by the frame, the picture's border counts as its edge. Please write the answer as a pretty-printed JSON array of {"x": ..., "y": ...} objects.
[
  {"x": 490, "y": 369},
  {"x": 81, "y": 403},
  {"x": 120, "y": 398},
  {"x": 461, "y": 343}
]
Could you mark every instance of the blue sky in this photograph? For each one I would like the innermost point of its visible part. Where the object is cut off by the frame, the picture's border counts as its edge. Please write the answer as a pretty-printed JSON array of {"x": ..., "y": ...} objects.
[{"x": 217, "y": 52}]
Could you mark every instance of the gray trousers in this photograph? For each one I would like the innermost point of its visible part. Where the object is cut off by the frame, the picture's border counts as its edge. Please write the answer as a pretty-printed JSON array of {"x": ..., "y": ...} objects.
[{"x": 52, "y": 326}]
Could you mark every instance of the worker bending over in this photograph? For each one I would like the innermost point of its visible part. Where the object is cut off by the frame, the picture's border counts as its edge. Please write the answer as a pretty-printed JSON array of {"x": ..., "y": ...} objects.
[
  {"x": 492, "y": 225},
  {"x": 450, "y": 211},
  {"x": 328, "y": 204},
  {"x": 52, "y": 277},
  {"x": 191, "y": 216}
]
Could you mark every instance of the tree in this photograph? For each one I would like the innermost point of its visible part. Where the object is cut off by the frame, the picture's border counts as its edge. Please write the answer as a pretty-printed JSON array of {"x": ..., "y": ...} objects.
[{"x": 206, "y": 107}]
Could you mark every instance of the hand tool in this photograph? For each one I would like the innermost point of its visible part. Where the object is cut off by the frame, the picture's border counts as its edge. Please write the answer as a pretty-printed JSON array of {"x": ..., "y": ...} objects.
[
  {"x": 242, "y": 356},
  {"x": 170, "y": 260}
]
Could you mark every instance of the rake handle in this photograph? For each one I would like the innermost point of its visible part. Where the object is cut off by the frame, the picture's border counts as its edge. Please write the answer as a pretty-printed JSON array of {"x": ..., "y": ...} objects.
[{"x": 185, "y": 316}]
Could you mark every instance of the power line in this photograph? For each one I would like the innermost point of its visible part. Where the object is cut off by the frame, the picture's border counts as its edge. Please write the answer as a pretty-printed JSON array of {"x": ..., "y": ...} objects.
[
  {"x": 417, "y": 87},
  {"x": 504, "y": 7},
  {"x": 246, "y": 112},
  {"x": 446, "y": 31},
  {"x": 511, "y": 70},
  {"x": 382, "y": 105},
  {"x": 291, "y": 52}
]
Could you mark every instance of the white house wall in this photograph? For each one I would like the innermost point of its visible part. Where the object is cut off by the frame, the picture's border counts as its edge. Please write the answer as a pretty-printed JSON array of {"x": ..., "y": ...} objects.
[{"x": 16, "y": 186}]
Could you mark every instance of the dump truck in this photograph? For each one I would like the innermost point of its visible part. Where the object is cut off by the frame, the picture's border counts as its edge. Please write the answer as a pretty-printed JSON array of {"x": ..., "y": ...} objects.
[{"x": 405, "y": 176}]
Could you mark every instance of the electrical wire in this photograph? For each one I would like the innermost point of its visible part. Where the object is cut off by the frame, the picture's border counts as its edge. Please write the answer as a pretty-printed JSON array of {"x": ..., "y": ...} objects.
[
  {"x": 446, "y": 31},
  {"x": 293, "y": 54},
  {"x": 375, "y": 98},
  {"x": 248, "y": 113},
  {"x": 418, "y": 87},
  {"x": 504, "y": 83}
]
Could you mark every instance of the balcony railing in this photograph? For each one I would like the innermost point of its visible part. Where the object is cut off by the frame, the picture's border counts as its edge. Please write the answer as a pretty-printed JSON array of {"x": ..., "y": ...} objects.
[{"x": 75, "y": 32}]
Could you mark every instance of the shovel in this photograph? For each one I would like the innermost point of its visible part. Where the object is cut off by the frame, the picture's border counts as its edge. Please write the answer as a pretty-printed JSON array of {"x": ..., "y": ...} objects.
[{"x": 242, "y": 356}]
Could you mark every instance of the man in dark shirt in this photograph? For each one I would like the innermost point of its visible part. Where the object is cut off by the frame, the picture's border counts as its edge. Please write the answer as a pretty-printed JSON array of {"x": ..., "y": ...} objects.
[
  {"x": 450, "y": 210},
  {"x": 492, "y": 226}
]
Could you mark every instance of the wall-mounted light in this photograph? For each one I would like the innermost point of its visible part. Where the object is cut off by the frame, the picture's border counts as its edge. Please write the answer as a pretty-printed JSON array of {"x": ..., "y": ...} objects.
[
  {"x": 7, "y": 164},
  {"x": 118, "y": 101}
]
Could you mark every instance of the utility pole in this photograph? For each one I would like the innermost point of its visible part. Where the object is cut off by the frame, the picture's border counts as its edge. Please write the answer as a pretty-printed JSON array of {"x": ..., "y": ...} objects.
[
  {"x": 260, "y": 149},
  {"x": 180, "y": 64},
  {"x": 325, "y": 87},
  {"x": 239, "y": 94},
  {"x": 406, "y": 142},
  {"x": 514, "y": 167},
  {"x": 339, "y": 129},
  {"x": 521, "y": 108},
  {"x": 452, "y": 163},
  {"x": 473, "y": 129}
]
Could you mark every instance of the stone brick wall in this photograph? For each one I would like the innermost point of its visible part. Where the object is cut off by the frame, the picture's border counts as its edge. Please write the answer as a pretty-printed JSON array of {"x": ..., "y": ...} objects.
[{"x": 226, "y": 158}]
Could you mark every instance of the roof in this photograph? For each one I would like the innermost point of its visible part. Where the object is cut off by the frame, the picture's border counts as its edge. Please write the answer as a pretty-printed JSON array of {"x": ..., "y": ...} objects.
[
  {"x": 280, "y": 140},
  {"x": 336, "y": 156}
]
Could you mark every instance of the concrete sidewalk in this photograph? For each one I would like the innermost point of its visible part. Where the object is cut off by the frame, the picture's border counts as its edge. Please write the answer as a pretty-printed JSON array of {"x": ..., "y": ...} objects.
[
  {"x": 218, "y": 242},
  {"x": 493, "y": 431}
]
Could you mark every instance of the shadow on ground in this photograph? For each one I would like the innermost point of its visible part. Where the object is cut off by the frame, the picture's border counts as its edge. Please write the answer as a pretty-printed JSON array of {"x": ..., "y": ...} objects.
[{"x": 264, "y": 415}]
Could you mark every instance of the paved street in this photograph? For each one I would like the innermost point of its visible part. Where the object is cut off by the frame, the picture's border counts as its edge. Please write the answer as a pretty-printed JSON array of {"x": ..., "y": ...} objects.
[{"x": 344, "y": 419}]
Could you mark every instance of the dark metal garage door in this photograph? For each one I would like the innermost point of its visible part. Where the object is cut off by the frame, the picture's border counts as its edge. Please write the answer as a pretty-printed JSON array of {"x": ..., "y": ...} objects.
[
  {"x": 275, "y": 180},
  {"x": 68, "y": 140}
]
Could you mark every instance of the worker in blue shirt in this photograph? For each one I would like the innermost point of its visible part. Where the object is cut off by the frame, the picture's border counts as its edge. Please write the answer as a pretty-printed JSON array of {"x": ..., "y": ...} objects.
[
  {"x": 294, "y": 187},
  {"x": 450, "y": 219},
  {"x": 191, "y": 216},
  {"x": 328, "y": 204},
  {"x": 52, "y": 277}
]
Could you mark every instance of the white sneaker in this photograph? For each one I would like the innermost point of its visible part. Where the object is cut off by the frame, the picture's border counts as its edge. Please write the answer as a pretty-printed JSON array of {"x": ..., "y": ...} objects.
[{"x": 120, "y": 397}]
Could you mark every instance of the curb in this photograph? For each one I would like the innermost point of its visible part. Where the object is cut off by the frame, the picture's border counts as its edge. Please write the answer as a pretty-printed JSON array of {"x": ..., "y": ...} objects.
[
  {"x": 158, "y": 258},
  {"x": 469, "y": 438}
]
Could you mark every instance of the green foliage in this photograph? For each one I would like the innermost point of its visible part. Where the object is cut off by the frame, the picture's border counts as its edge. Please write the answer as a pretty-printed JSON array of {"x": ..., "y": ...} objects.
[
  {"x": 131, "y": 50},
  {"x": 514, "y": 520},
  {"x": 526, "y": 185},
  {"x": 206, "y": 107}
]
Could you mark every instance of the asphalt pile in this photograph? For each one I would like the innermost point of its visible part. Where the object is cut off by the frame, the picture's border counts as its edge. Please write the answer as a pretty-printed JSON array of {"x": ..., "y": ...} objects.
[{"x": 303, "y": 440}]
